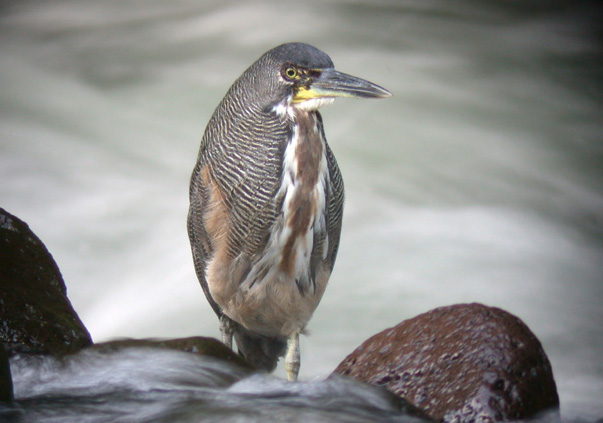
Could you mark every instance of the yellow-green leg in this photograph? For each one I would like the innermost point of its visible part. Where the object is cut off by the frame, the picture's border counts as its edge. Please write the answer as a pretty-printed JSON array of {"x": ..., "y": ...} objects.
[
  {"x": 292, "y": 359},
  {"x": 226, "y": 330}
]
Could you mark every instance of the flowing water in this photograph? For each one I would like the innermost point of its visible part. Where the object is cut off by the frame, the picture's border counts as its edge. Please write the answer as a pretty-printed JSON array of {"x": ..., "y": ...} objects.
[
  {"x": 480, "y": 180},
  {"x": 158, "y": 386}
]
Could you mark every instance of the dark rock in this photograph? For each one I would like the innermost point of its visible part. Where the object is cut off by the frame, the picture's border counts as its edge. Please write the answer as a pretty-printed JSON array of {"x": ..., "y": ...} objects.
[
  {"x": 462, "y": 363},
  {"x": 36, "y": 316},
  {"x": 199, "y": 345},
  {"x": 6, "y": 382}
]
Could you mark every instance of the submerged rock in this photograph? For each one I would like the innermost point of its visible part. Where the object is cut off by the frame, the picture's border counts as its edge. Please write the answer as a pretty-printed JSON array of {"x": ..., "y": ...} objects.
[
  {"x": 462, "y": 363},
  {"x": 209, "y": 347},
  {"x": 37, "y": 316}
]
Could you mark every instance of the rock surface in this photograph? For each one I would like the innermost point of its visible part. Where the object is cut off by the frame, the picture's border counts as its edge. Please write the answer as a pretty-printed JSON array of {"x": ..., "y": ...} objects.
[
  {"x": 6, "y": 383},
  {"x": 198, "y": 344},
  {"x": 463, "y": 363},
  {"x": 36, "y": 315}
]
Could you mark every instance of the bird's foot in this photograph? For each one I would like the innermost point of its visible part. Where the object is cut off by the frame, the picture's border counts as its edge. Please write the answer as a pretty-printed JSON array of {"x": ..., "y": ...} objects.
[
  {"x": 226, "y": 330},
  {"x": 292, "y": 358}
]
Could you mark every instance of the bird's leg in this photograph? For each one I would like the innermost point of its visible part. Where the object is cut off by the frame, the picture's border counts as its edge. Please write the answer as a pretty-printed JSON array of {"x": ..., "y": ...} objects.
[
  {"x": 292, "y": 358},
  {"x": 226, "y": 330}
]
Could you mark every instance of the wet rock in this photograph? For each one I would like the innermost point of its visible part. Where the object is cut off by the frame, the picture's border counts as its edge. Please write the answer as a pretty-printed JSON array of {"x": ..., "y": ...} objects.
[
  {"x": 198, "y": 344},
  {"x": 36, "y": 315},
  {"x": 6, "y": 382},
  {"x": 462, "y": 363}
]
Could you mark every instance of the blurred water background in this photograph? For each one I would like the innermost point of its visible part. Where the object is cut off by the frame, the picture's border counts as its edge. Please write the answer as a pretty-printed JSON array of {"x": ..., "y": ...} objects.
[{"x": 480, "y": 180}]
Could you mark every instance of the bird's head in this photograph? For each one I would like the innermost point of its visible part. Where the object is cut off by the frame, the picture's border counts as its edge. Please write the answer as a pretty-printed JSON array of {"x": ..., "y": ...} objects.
[{"x": 304, "y": 77}]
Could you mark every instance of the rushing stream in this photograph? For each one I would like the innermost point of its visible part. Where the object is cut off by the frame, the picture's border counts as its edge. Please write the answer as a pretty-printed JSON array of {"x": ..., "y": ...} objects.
[{"x": 159, "y": 386}]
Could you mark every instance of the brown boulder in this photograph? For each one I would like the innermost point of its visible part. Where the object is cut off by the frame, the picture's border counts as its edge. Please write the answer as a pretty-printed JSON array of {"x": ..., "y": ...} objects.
[
  {"x": 462, "y": 363},
  {"x": 36, "y": 315}
]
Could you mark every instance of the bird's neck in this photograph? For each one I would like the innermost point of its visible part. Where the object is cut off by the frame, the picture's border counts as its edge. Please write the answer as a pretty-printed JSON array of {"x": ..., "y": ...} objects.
[
  {"x": 306, "y": 147},
  {"x": 303, "y": 189}
]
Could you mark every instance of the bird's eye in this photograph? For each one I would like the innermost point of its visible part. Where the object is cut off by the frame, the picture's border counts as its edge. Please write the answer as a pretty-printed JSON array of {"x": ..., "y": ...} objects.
[{"x": 290, "y": 73}]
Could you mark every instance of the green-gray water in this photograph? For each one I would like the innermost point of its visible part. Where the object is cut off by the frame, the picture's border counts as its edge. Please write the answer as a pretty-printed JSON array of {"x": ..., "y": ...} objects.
[{"x": 480, "y": 180}]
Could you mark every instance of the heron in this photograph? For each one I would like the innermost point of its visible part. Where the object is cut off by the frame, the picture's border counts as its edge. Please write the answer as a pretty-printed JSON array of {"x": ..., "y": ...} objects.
[{"x": 266, "y": 201}]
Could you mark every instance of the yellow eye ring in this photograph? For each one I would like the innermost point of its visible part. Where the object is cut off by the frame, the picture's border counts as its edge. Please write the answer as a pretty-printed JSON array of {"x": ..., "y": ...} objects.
[{"x": 290, "y": 73}]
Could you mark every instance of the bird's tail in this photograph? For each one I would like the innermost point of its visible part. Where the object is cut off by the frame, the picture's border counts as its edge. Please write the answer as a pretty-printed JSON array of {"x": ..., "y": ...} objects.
[{"x": 262, "y": 352}]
